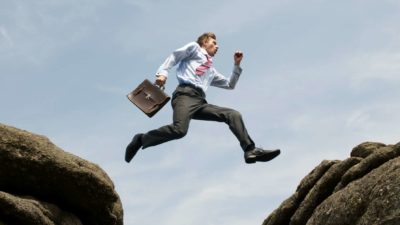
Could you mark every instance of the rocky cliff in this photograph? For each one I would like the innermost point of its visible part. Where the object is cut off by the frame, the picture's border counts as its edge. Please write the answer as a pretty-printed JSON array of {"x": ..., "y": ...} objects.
[
  {"x": 42, "y": 184},
  {"x": 361, "y": 190}
]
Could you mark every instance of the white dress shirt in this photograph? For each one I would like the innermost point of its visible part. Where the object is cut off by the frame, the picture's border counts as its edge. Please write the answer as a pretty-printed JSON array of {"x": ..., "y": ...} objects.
[{"x": 190, "y": 57}]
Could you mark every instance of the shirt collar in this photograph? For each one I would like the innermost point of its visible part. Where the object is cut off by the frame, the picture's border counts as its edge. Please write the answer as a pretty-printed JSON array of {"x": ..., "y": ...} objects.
[{"x": 204, "y": 51}]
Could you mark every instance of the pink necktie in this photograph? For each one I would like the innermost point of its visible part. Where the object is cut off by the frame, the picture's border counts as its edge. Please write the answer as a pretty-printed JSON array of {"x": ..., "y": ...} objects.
[{"x": 204, "y": 67}]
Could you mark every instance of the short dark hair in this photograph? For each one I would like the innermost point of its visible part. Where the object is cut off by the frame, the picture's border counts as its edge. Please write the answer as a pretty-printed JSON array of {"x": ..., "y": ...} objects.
[{"x": 205, "y": 37}]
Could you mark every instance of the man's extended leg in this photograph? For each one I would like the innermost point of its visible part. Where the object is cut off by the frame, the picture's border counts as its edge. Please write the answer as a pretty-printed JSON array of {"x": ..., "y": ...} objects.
[
  {"x": 234, "y": 119},
  {"x": 231, "y": 117}
]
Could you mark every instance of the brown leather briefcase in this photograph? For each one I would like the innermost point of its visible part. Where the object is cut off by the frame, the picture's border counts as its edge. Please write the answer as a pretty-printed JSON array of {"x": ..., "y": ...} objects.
[{"x": 149, "y": 98}]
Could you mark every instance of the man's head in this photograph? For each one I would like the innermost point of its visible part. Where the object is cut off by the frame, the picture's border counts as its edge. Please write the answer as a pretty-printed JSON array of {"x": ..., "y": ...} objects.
[{"x": 208, "y": 41}]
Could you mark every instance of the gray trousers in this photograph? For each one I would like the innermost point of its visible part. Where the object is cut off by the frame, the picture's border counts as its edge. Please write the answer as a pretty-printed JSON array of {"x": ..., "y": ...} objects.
[{"x": 189, "y": 103}]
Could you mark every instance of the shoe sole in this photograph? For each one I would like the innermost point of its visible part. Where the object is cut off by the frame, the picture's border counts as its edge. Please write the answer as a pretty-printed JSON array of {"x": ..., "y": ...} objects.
[{"x": 264, "y": 158}]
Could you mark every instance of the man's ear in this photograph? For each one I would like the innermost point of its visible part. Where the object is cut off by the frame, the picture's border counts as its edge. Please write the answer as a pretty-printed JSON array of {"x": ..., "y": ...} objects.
[{"x": 203, "y": 43}]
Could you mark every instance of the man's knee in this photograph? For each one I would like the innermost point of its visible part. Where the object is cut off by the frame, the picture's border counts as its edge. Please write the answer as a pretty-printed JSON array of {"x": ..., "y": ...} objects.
[
  {"x": 180, "y": 132},
  {"x": 235, "y": 114}
]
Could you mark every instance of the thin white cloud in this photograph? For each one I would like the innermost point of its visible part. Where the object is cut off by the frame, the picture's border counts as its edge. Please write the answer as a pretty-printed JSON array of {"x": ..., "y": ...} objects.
[
  {"x": 42, "y": 29},
  {"x": 144, "y": 5},
  {"x": 218, "y": 199},
  {"x": 232, "y": 16},
  {"x": 114, "y": 90},
  {"x": 223, "y": 17},
  {"x": 376, "y": 66},
  {"x": 5, "y": 39},
  {"x": 359, "y": 118}
]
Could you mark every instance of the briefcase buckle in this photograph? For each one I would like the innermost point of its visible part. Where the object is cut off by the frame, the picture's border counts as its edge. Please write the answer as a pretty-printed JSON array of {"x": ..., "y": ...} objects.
[{"x": 148, "y": 96}]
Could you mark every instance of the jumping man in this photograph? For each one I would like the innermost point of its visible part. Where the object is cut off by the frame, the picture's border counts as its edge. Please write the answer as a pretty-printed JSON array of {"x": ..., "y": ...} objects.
[{"x": 195, "y": 73}]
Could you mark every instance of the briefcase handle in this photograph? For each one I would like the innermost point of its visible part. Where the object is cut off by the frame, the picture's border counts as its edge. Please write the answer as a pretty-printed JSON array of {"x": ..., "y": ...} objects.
[
  {"x": 159, "y": 86},
  {"x": 141, "y": 89}
]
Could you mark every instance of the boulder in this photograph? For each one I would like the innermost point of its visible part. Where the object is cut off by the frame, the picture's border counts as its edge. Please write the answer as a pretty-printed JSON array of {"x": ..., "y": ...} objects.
[
  {"x": 361, "y": 190},
  {"x": 42, "y": 184},
  {"x": 29, "y": 211}
]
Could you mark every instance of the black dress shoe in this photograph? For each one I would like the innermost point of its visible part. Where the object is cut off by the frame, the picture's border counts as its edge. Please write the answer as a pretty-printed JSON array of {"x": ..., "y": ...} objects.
[
  {"x": 133, "y": 147},
  {"x": 261, "y": 155}
]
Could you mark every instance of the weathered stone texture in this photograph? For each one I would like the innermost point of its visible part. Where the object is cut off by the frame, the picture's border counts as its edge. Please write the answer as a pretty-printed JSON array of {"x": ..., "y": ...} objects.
[
  {"x": 361, "y": 190},
  {"x": 30, "y": 165}
]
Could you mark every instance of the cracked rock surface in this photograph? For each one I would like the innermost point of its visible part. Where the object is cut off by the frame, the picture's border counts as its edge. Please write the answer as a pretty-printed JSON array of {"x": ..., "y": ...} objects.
[
  {"x": 42, "y": 184},
  {"x": 363, "y": 189}
]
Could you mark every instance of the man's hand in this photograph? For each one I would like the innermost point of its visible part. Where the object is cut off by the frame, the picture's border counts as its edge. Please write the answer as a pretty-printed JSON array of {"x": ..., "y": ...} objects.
[
  {"x": 161, "y": 80},
  {"x": 237, "y": 57}
]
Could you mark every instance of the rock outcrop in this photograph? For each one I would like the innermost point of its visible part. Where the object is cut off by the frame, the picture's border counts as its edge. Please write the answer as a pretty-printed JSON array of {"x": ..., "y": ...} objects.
[
  {"x": 42, "y": 184},
  {"x": 361, "y": 190}
]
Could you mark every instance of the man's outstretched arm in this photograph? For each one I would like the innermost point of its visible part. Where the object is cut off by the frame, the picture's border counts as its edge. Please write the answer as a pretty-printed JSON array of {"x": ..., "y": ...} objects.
[{"x": 229, "y": 83}]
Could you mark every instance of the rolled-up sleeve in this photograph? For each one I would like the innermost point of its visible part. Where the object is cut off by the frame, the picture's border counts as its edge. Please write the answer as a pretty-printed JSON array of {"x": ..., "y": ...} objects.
[
  {"x": 177, "y": 56},
  {"x": 221, "y": 81}
]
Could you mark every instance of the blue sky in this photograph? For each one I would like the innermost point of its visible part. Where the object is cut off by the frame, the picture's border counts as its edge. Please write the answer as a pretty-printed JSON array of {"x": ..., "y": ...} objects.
[{"x": 319, "y": 78}]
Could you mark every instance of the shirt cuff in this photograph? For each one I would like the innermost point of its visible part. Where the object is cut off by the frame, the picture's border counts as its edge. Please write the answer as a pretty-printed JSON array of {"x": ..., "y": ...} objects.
[
  {"x": 165, "y": 74},
  {"x": 237, "y": 69}
]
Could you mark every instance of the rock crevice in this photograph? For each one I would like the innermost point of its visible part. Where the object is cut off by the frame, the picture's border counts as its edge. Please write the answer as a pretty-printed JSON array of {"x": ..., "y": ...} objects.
[{"x": 361, "y": 190}]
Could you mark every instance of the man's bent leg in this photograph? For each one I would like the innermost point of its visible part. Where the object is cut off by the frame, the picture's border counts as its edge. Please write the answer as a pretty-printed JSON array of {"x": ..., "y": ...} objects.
[{"x": 231, "y": 117}]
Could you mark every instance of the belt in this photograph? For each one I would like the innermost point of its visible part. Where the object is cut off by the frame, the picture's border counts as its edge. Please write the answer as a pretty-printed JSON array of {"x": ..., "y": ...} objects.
[{"x": 199, "y": 90}]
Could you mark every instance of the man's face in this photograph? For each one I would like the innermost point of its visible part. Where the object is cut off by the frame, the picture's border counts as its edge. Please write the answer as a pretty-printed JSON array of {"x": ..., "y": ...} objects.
[{"x": 210, "y": 45}]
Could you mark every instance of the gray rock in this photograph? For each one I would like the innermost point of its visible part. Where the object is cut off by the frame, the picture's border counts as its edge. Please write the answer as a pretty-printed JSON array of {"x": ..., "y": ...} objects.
[
  {"x": 361, "y": 190},
  {"x": 321, "y": 190},
  {"x": 372, "y": 161},
  {"x": 30, "y": 165},
  {"x": 372, "y": 200},
  {"x": 29, "y": 211},
  {"x": 282, "y": 215},
  {"x": 365, "y": 149}
]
